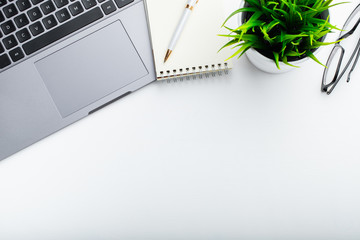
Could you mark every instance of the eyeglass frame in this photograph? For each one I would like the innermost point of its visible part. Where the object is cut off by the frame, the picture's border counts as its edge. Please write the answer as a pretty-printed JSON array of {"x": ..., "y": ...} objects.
[{"x": 329, "y": 87}]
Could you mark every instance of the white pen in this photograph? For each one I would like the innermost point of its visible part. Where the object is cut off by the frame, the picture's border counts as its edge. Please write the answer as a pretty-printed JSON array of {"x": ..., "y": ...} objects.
[{"x": 188, "y": 9}]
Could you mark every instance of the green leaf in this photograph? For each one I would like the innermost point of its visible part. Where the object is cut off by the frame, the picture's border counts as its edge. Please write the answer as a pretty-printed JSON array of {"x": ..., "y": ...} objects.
[
  {"x": 291, "y": 37},
  {"x": 238, "y": 11},
  {"x": 295, "y": 54},
  {"x": 284, "y": 60},
  {"x": 230, "y": 43},
  {"x": 250, "y": 24},
  {"x": 276, "y": 58},
  {"x": 244, "y": 47},
  {"x": 312, "y": 56}
]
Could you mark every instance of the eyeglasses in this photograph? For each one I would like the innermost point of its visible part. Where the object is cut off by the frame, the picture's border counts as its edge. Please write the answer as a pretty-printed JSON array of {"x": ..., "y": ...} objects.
[{"x": 344, "y": 54}]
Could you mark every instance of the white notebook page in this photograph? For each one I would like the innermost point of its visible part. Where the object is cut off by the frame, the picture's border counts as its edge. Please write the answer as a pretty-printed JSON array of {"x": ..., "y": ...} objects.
[{"x": 199, "y": 42}]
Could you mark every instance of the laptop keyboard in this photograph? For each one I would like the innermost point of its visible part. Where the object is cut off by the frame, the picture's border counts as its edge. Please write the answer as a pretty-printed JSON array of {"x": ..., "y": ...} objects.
[{"x": 27, "y": 26}]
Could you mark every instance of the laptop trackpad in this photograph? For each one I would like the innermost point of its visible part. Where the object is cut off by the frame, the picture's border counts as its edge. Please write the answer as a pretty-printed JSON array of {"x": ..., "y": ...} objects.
[{"x": 91, "y": 68}]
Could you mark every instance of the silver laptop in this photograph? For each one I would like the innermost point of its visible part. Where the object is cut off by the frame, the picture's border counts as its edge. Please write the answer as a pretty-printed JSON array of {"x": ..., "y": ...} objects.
[{"x": 61, "y": 60}]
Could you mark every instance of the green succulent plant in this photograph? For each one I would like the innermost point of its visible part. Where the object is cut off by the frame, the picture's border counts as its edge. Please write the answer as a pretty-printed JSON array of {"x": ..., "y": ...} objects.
[{"x": 283, "y": 30}]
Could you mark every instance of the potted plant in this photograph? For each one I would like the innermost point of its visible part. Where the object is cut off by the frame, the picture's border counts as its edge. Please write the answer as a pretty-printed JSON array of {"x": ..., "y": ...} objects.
[{"x": 278, "y": 34}]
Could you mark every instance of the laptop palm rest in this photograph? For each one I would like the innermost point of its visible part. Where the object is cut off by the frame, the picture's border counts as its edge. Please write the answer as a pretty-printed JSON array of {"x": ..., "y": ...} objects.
[{"x": 91, "y": 68}]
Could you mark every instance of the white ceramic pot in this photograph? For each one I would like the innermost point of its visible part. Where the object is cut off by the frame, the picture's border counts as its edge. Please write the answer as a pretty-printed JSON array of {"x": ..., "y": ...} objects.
[{"x": 266, "y": 64}]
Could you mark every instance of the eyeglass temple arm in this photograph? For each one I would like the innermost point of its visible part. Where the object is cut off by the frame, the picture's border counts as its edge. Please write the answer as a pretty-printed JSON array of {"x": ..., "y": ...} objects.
[
  {"x": 354, "y": 64},
  {"x": 351, "y": 31}
]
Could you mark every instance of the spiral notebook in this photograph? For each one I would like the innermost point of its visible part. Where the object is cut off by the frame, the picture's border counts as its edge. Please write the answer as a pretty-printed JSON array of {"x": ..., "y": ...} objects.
[{"x": 196, "y": 52}]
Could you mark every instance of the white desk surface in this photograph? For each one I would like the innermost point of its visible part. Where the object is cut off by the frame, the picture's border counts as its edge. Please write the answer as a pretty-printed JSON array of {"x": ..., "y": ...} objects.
[{"x": 248, "y": 156}]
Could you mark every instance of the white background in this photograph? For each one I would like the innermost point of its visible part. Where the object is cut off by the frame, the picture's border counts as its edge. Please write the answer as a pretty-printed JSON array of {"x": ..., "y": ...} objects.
[{"x": 247, "y": 156}]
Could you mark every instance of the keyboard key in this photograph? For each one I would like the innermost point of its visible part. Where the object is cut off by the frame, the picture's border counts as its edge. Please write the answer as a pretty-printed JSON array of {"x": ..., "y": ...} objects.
[
  {"x": 16, "y": 54},
  {"x": 76, "y": 8},
  {"x": 36, "y": 29},
  {"x": 23, "y": 35},
  {"x": 62, "y": 31},
  {"x": 62, "y": 15},
  {"x": 4, "y": 61},
  {"x": 49, "y": 22},
  {"x": 10, "y": 42},
  {"x": 36, "y": 1},
  {"x": 108, "y": 7},
  {"x": 88, "y": 3},
  {"x": 34, "y": 14},
  {"x": 23, "y": 4},
  {"x": 47, "y": 7},
  {"x": 123, "y": 3},
  {"x": 10, "y": 10},
  {"x": 61, "y": 3},
  {"x": 8, "y": 27},
  {"x": 21, "y": 20},
  {"x": 100, "y": 1},
  {"x": 2, "y": 49},
  {"x": 2, "y": 3}
]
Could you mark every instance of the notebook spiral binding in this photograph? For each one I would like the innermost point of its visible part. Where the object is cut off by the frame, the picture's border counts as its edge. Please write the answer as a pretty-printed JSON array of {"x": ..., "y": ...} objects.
[{"x": 199, "y": 72}]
